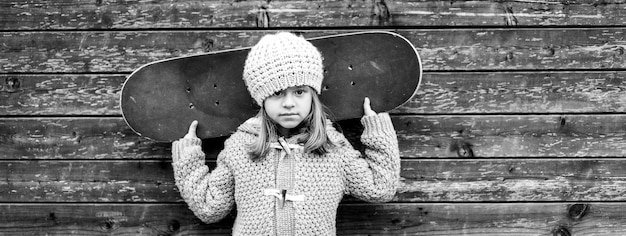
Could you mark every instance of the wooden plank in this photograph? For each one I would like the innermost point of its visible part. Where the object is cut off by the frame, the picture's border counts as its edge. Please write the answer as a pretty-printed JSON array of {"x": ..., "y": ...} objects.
[
  {"x": 519, "y": 92},
  {"x": 440, "y": 92},
  {"x": 104, "y": 219},
  {"x": 354, "y": 219},
  {"x": 481, "y": 219},
  {"x": 60, "y": 95},
  {"x": 446, "y": 49},
  {"x": 566, "y": 135},
  {"x": 433, "y": 180},
  {"x": 527, "y": 49},
  {"x": 512, "y": 180},
  {"x": 88, "y": 181},
  {"x": 74, "y": 138},
  {"x": 418, "y": 136},
  {"x": 511, "y": 136},
  {"x": 81, "y": 14}
]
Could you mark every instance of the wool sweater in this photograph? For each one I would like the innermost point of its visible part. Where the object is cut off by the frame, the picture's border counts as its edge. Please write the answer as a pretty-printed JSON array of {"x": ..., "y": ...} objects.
[{"x": 287, "y": 192}]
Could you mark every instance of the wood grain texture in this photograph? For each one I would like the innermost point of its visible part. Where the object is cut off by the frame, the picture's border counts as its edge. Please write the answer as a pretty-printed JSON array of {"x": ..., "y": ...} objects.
[
  {"x": 542, "y": 219},
  {"x": 530, "y": 49},
  {"x": 512, "y": 180},
  {"x": 104, "y": 219},
  {"x": 435, "y": 180},
  {"x": 483, "y": 136},
  {"x": 511, "y": 136},
  {"x": 74, "y": 138},
  {"x": 88, "y": 181},
  {"x": 60, "y": 94},
  {"x": 482, "y": 219},
  {"x": 82, "y": 14},
  {"x": 519, "y": 92},
  {"x": 439, "y": 92},
  {"x": 448, "y": 49}
]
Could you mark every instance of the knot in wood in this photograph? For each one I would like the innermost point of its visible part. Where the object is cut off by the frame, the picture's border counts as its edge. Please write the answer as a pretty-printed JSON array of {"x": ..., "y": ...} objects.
[
  {"x": 462, "y": 148},
  {"x": 619, "y": 51},
  {"x": 206, "y": 44},
  {"x": 52, "y": 217},
  {"x": 12, "y": 84},
  {"x": 381, "y": 13},
  {"x": 509, "y": 56},
  {"x": 578, "y": 211},
  {"x": 109, "y": 225},
  {"x": 173, "y": 226},
  {"x": 262, "y": 17},
  {"x": 549, "y": 51},
  {"x": 510, "y": 19},
  {"x": 562, "y": 121},
  {"x": 561, "y": 231}
]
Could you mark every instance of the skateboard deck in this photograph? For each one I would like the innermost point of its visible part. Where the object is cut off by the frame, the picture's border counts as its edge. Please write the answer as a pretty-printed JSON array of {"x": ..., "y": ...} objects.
[{"x": 161, "y": 99}]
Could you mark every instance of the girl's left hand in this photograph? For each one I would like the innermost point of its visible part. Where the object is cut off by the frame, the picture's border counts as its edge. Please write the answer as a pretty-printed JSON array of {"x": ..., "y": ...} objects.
[
  {"x": 367, "y": 108},
  {"x": 192, "y": 130}
]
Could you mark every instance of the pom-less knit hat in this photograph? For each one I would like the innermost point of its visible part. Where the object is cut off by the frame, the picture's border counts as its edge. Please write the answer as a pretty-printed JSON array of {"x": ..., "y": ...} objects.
[{"x": 279, "y": 61}]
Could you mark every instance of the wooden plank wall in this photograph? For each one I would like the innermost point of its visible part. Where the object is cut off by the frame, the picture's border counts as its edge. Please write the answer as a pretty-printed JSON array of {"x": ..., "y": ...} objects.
[{"x": 519, "y": 127}]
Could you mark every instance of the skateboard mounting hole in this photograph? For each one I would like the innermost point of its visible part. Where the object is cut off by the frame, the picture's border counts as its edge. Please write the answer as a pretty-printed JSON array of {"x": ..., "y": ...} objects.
[
  {"x": 352, "y": 83},
  {"x": 217, "y": 103},
  {"x": 191, "y": 106},
  {"x": 188, "y": 89},
  {"x": 350, "y": 67},
  {"x": 214, "y": 85}
]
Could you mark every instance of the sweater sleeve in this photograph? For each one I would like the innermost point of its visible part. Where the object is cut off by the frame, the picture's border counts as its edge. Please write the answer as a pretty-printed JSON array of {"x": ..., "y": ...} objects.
[
  {"x": 209, "y": 195},
  {"x": 375, "y": 176}
]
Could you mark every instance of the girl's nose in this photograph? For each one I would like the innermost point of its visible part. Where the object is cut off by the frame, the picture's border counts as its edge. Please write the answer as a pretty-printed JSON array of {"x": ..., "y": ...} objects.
[{"x": 288, "y": 101}]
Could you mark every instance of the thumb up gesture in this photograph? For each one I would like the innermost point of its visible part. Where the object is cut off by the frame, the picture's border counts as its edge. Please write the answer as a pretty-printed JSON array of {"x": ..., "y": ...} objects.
[
  {"x": 367, "y": 108},
  {"x": 192, "y": 130}
]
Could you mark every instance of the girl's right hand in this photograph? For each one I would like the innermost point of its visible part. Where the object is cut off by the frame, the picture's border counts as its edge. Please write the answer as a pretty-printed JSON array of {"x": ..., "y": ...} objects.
[{"x": 192, "y": 130}]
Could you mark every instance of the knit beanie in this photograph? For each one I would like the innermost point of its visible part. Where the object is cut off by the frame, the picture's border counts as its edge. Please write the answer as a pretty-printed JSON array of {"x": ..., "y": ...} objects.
[{"x": 279, "y": 61}]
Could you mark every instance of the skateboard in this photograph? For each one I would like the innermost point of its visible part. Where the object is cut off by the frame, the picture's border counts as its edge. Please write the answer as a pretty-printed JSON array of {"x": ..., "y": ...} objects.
[{"x": 161, "y": 99}]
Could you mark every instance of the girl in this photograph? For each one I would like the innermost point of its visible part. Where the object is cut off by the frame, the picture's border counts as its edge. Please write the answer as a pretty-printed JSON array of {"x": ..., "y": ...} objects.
[{"x": 287, "y": 169}]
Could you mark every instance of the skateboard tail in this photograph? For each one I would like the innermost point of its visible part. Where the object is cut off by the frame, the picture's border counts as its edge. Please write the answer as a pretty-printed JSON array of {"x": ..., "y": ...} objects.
[{"x": 419, "y": 66}]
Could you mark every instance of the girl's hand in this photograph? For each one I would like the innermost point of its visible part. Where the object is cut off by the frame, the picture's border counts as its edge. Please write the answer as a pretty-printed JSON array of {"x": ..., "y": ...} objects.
[
  {"x": 176, "y": 148},
  {"x": 367, "y": 109},
  {"x": 192, "y": 130}
]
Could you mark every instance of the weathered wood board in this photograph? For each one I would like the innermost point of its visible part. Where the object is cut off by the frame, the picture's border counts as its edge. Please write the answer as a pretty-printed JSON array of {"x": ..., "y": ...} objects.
[
  {"x": 439, "y": 49},
  {"x": 428, "y": 180},
  {"x": 439, "y": 93},
  {"x": 419, "y": 137},
  {"x": 353, "y": 219},
  {"x": 42, "y": 14}
]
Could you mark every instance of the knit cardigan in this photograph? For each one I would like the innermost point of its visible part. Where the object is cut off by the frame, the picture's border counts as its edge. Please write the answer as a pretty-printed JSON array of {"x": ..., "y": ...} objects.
[{"x": 287, "y": 192}]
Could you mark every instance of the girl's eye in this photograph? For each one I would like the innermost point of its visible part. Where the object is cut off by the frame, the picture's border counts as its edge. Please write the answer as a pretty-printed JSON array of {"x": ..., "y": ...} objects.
[
  {"x": 279, "y": 93},
  {"x": 300, "y": 91}
]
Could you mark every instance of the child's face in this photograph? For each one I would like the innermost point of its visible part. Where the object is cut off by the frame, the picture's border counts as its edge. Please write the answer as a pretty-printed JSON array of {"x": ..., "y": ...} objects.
[{"x": 289, "y": 107}]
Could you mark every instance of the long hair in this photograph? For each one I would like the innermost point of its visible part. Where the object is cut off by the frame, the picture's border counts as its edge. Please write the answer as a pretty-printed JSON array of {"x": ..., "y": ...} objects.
[{"x": 312, "y": 131}]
